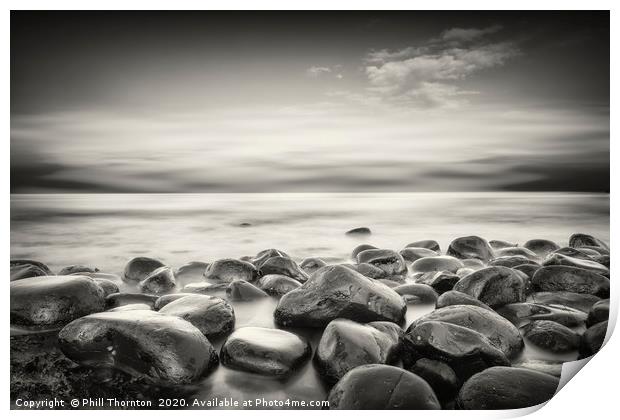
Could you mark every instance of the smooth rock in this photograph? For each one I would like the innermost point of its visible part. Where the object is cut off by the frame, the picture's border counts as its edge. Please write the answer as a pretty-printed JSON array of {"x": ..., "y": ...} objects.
[
  {"x": 162, "y": 348},
  {"x": 453, "y": 297},
  {"x": 264, "y": 255},
  {"x": 428, "y": 244},
  {"x": 414, "y": 254},
  {"x": 310, "y": 265},
  {"x": 229, "y": 269},
  {"x": 192, "y": 272},
  {"x": 580, "y": 301},
  {"x": 494, "y": 286},
  {"x": 589, "y": 252},
  {"x": 439, "y": 376},
  {"x": 465, "y": 271},
  {"x": 521, "y": 314},
  {"x": 470, "y": 247},
  {"x": 137, "y": 269},
  {"x": 265, "y": 351},
  {"x": 441, "y": 281},
  {"x": 108, "y": 286},
  {"x": 346, "y": 344},
  {"x": 517, "y": 251},
  {"x": 242, "y": 290},
  {"x": 277, "y": 285},
  {"x": 579, "y": 240},
  {"x": 527, "y": 269},
  {"x": 603, "y": 260},
  {"x": 512, "y": 261},
  {"x": 158, "y": 282},
  {"x": 551, "y": 336},
  {"x": 53, "y": 301},
  {"x": 541, "y": 247},
  {"x": 360, "y": 231},
  {"x": 562, "y": 278},
  {"x": 360, "y": 248},
  {"x": 563, "y": 260},
  {"x": 166, "y": 299},
  {"x": 443, "y": 263},
  {"x": 120, "y": 299},
  {"x": 398, "y": 390},
  {"x": 25, "y": 271},
  {"x": 71, "y": 269},
  {"x": 474, "y": 263},
  {"x": 339, "y": 292},
  {"x": 505, "y": 388},
  {"x": 213, "y": 316},
  {"x": 367, "y": 270},
  {"x": 599, "y": 312},
  {"x": 390, "y": 262},
  {"x": 417, "y": 293},
  {"x": 39, "y": 264},
  {"x": 284, "y": 266},
  {"x": 592, "y": 340},
  {"x": 497, "y": 244},
  {"x": 599, "y": 249},
  {"x": 573, "y": 252}
]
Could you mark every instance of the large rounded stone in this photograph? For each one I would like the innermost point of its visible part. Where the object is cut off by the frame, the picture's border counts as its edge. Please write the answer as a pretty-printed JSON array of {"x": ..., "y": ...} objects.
[
  {"x": 146, "y": 344},
  {"x": 417, "y": 293},
  {"x": 39, "y": 264},
  {"x": 137, "y": 269},
  {"x": 599, "y": 312},
  {"x": 579, "y": 240},
  {"x": 166, "y": 299},
  {"x": 265, "y": 351},
  {"x": 26, "y": 270},
  {"x": 592, "y": 340},
  {"x": 53, "y": 301},
  {"x": 211, "y": 315},
  {"x": 520, "y": 314},
  {"x": 360, "y": 231},
  {"x": 439, "y": 376},
  {"x": 360, "y": 248},
  {"x": 443, "y": 263},
  {"x": 115, "y": 300},
  {"x": 264, "y": 255},
  {"x": 516, "y": 251},
  {"x": 453, "y": 297},
  {"x": 72, "y": 269},
  {"x": 580, "y": 301},
  {"x": 108, "y": 286},
  {"x": 390, "y": 262},
  {"x": 528, "y": 269},
  {"x": 382, "y": 387},
  {"x": 192, "y": 272},
  {"x": 505, "y": 388},
  {"x": 427, "y": 243},
  {"x": 285, "y": 267},
  {"x": 499, "y": 244},
  {"x": 339, "y": 292},
  {"x": 551, "y": 336},
  {"x": 498, "y": 330},
  {"x": 367, "y": 270},
  {"x": 345, "y": 344},
  {"x": 242, "y": 290},
  {"x": 470, "y": 247},
  {"x": 310, "y": 265},
  {"x": 414, "y": 254},
  {"x": 541, "y": 247},
  {"x": 512, "y": 261},
  {"x": 229, "y": 269},
  {"x": 277, "y": 284},
  {"x": 494, "y": 286},
  {"x": 440, "y": 281},
  {"x": 158, "y": 282},
  {"x": 558, "y": 278},
  {"x": 574, "y": 253},
  {"x": 563, "y": 260}
]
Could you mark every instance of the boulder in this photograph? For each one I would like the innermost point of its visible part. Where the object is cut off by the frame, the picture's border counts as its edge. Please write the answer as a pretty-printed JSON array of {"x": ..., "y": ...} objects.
[
  {"x": 506, "y": 388},
  {"x": 390, "y": 262},
  {"x": 163, "y": 349},
  {"x": 71, "y": 269},
  {"x": 428, "y": 244},
  {"x": 264, "y": 255},
  {"x": 443, "y": 263},
  {"x": 474, "y": 263},
  {"x": 213, "y": 316},
  {"x": 360, "y": 231},
  {"x": 579, "y": 240},
  {"x": 494, "y": 286},
  {"x": 599, "y": 312},
  {"x": 277, "y": 285},
  {"x": 284, "y": 266},
  {"x": 38, "y": 264},
  {"x": 551, "y": 336},
  {"x": 346, "y": 344},
  {"x": 573, "y": 252},
  {"x": 592, "y": 340},
  {"x": 229, "y": 269},
  {"x": 527, "y": 269},
  {"x": 517, "y": 251},
  {"x": 563, "y": 260},
  {"x": 417, "y": 293},
  {"x": 521, "y": 314},
  {"x": 108, "y": 286},
  {"x": 367, "y": 270},
  {"x": 265, "y": 351},
  {"x": 26, "y": 270},
  {"x": 242, "y": 290},
  {"x": 137, "y": 269},
  {"x": 310, "y": 265},
  {"x": 160, "y": 281},
  {"x": 360, "y": 248},
  {"x": 120, "y": 299},
  {"x": 453, "y": 297},
  {"x": 580, "y": 301},
  {"x": 541, "y": 247},
  {"x": 470, "y": 247},
  {"x": 166, "y": 299},
  {"x": 603, "y": 260},
  {"x": 398, "y": 390},
  {"x": 439, "y": 376},
  {"x": 53, "y": 301},
  {"x": 339, "y": 292},
  {"x": 562, "y": 278},
  {"x": 512, "y": 261},
  {"x": 191, "y": 272},
  {"x": 414, "y": 254}
]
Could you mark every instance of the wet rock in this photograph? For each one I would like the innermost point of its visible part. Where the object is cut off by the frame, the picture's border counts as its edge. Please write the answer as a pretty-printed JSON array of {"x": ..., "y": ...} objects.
[
  {"x": 443, "y": 263},
  {"x": 137, "y": 269},
  {"x": 265, "y": 351},
  {"x": 229, "y": 269},
  {"x": 512, "y": 261},
  {"x": 527, "y": 269},
  {"x": 203, "y": 287},
  {"x": 558, "y": 278},
  {"x": 191, "y": 272},
  {"x": 580, "y": 301},
  {"x": 517, "y": 251},
  {"x": 466, "y": 351},
  {"x": 441, "y": 282},
  {"x": 543, "y": 366},
  {"x": 473, "y": 263},
  {"x": 147, "y": 344},
  {"x": 498, "y": 330},
  {"x": 563, "y": 260},
  {"x": 76, "y": 269},
  {"x": 158, "y": 282},
  {"x": 592, "y": 340},
  {"x": 120, "y": 299},
  {"x": 390, "y": 262},
  {"x": 453, "y": 297},
  {"x": 399, "y": 390},
  {"x": 25, "y": 271},
  {"x": 360, "y": 248},
  {"x": 310, "y": 265},
  {"x": 439, "y": 376},
  {"x": 417, "y": 293},
  {"x": 284, "y": 266},
  {"x": 470, "y": 247},
  {"x": 242, "y": 290},
  {"x": 599, "y": 312},
  {"x": 599, "y": 249},
  {"x": 589, "y": 252},
  {"x": 213, "y": 316},
  {"x": 367, "y": 270},
  {"x": 428, "y": 244},
  {"x": 494, "y": 286},
  {"x": 574, "y": 253},
  {"x": 264, "y": 255},
  {"x": 465, "y": 271},
  {"x": 551, "y": 336},
  {"x": 541, "y": 247},
  {"x": 603, "y": 260},
  {"x": 108, "y": 286},
  {"x": 497, "y": 244},
  {"x": 504, "y": 388},
  {"x": 579, "y": 240},
  {"x": 414, "y": 254},
  {"x": 53, "y": 301},
  {"x": 339, "y": 292},
  {"x": 360, "y": 231},
  {"x": 277, "y": 285},
  {"x": 132, "y": 307},
  {"x": 166, "y": 299},
  {"x": 521, "y": 314},
  {"x": 346, "y": 344},
  {"x": 39, "y": 264}
]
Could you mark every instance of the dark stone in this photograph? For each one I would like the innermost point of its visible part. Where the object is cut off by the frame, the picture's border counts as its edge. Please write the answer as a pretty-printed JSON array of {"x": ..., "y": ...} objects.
[
  {"x": 551, "y": 336},
  {"x": 505, "y": 388},
  {"x": 428, "y": 244},
  {"x": 579, "y": 240},
  {"x": 599, "y": 249},
  {"x": 119, "y": 299},
  {"x": 166, "y": 299},
  {"x": 265, "y": 351},
  {"x": 520, "y": 314},
  {"x": 229, "y": 269},
  {"x": 264, "y": 255},
  {"x": 527, "y": 269},
  {"x": 466, "y": 351},
  {"x": 367, "y": 270},
  {"x": 53, "y": 301},
  {"x": 603, "y": 260},
  {"x": 512, "y": 261},
  {"x": 417, "y": 293},
  {"x": 453, "y": 297},
  {"x": 39, "y": 264},
  {"x": 160, "y": 281},
  {"x": 284, "y": 266},
  {"x": 589, "y": 252},
  {"x": 498, "y": 330},
  {"x": 137, "y": 269},
  {"x": 76, "y": 269},
  {"x": 516, "y": 251},
  {"x": 398, "y": 390},
  {"x": 439, "y": 376},
  {"x": 580, "y": 301},
  {"x": 541, "y": 247},
  {"x": 473, "y": 263},
  {"x": 558, "y": 278},
  {"x": 191, "y": 272},
  {"x": 141, "y": 343},
  {"x": 108, "y": 286},
  {"x": 470, "y": 247},
  {"x": 592, "y": 340},
  {"x": 277, "y": 285},
  {"x": 360, "y": 231},
  {"x": 25, "y": 271},
  {"x": 494, "y": 286},
  {"x": 443, "y": 263},
  {"x": 574, "y": 253},
  {"x": 441, "y": 281},
  {"x": 310, "y": 265},
  {"x": 360, "y": 248},
  {"x": 345, "y": 344},
  {"x": 242, "y": 290},
  {"x": 390, "y": 262},
  {"x": 599, "y": 312},
  {"x": 339, "y": 292},
  {"x": 563, "y": 260},
  {"x": 497, "y": 244},
  {"x": 413, "y": 254},
  {"x": 213, "y": 316}
]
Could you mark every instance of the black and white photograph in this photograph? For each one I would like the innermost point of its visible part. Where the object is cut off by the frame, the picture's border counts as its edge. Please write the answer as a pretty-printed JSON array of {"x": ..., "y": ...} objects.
[{"x": 306, "y": 210}]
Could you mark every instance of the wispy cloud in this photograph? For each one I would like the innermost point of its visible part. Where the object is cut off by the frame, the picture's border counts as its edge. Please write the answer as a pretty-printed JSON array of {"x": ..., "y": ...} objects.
[{"x": 317, "y": 71}]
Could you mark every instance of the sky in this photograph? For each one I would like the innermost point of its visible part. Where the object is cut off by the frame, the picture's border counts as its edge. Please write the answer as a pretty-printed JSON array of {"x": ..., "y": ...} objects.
[{"x": 105, "y": 102}]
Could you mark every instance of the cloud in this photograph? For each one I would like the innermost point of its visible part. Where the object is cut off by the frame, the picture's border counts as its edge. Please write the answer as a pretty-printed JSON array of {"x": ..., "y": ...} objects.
[
  {"x": 468, "y": 34},
  {"x": 316, "y": 71}
]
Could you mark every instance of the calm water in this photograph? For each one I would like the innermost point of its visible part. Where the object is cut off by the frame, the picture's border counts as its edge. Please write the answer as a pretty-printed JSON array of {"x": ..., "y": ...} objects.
[{"x": 107, "y": 230}]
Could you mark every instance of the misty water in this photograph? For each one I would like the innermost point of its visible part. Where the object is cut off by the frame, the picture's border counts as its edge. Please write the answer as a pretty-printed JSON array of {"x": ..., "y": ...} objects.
[{"x": 107, "y": 230}]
